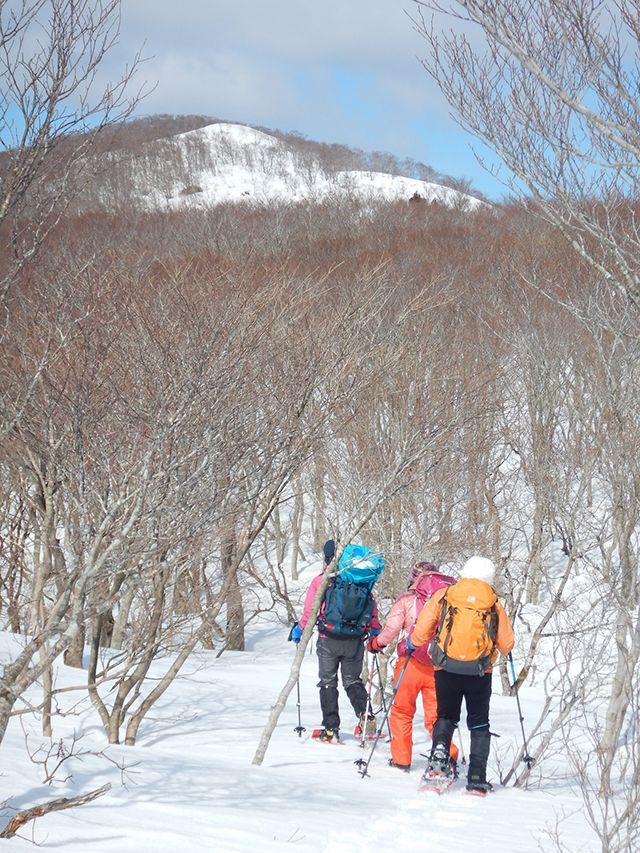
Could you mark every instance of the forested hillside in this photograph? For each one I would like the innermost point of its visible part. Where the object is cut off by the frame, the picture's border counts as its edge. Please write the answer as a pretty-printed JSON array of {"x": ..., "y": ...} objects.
[
  {"x": 186, "y": 393},
  {"x": 128, "y": 150},
  {"x": 193, "y": 400},
  {"x": 173, "y": 163}
]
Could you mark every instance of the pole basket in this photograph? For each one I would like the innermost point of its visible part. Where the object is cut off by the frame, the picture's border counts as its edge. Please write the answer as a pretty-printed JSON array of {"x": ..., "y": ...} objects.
[{"x": 362, "y": 766}]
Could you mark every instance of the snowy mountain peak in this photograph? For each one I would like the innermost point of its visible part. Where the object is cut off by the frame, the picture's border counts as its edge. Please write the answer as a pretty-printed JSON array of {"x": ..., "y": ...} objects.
[
  {"x": 222, "y": 162},
  {"x": 237, "y": 134}
]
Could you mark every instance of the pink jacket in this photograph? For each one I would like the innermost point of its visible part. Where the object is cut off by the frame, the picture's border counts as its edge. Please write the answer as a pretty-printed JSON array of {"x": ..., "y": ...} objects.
[
  {"x": 402, "y": 617},
  {"x": 308, "y": 602},
  {"x": 404, "y": 613}
]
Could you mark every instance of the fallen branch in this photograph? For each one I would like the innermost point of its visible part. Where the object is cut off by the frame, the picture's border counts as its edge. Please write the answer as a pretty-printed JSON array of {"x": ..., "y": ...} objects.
[{"x": 19, "y": 819}]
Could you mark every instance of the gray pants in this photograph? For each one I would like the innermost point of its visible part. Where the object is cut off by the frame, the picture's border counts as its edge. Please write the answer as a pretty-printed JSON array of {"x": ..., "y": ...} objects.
[{"x": 347, "y": 655}]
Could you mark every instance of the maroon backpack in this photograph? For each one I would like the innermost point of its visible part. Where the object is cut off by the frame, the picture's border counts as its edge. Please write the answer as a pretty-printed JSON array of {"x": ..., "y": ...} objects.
[{"x": 423, "y": 590}]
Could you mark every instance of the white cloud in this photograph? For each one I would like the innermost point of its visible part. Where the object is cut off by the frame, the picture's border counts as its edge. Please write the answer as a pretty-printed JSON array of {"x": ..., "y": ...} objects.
[
  {"x": 219, "y": 83},
  {"x": 337, "y": 70},
  {"x": 251, "y": 50},
  {"x": 377, "y": 31}
]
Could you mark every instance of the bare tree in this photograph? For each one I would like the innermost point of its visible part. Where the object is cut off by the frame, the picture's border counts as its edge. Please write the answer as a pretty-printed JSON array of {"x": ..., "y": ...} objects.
[
  {"x": 549, "y": 88},
  {"x": 52, "y": 110}
]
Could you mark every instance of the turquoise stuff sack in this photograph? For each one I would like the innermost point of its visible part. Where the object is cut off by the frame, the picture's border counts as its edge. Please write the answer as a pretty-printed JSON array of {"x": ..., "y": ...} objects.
[{"x": 359, "y": 564}]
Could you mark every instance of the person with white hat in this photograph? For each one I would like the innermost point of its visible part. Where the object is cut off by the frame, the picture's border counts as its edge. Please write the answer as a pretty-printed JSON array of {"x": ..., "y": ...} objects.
[{"x": 471, "y": 627}]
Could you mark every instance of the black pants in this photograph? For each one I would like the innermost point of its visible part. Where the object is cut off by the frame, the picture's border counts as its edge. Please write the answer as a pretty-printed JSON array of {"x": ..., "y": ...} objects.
[
  {"x": 346, "y": 655},
  {"x": 451, "y": 689}
]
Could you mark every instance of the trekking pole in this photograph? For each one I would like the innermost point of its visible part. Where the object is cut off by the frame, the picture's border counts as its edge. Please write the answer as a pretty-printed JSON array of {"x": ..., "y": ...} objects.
[
  {"x": 299, "y": 729},
  {"x": 361, "y": 763},
  {"x": 528, "y": 759},
  {"x": 363, "y": 727},
  {"x": 384, "y": 701},
  {"x": 463, "y": 759}
]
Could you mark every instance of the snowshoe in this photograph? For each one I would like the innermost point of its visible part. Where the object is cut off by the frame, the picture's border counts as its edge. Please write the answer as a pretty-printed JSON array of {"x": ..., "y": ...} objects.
[
  {"x": 479, "y": 789},
  {"x": 326, "y": 735},
  {"x": 404, "y": 767},
  {"x": 441, "y": 772},
  {"x": 436, "y": 781}
]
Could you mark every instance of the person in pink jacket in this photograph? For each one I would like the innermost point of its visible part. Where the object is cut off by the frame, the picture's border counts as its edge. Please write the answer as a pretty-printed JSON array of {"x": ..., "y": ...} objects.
[
  {"x": 338, "y": 653},
  {"x": 418, "y": 678}
]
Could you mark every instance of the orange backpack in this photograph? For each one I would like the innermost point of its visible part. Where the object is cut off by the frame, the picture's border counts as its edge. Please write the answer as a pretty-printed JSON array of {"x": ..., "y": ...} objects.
[{"x": 465, "y": 638}]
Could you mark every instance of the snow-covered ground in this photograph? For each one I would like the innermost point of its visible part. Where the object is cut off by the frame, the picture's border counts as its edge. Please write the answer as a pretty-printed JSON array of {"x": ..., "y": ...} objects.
[
  {"x": 189, "y": 784},
  {"x": 229, "y": 163}
]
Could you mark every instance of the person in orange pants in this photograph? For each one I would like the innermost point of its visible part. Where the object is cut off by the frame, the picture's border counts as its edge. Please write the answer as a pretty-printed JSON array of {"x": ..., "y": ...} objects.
[{"x": 418, "y": 676}]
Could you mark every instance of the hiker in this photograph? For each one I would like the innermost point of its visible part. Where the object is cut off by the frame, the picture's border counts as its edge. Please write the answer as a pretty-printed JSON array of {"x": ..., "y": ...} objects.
[
  {"x": 418, "y": 677},
  {"x": 342, "y": 636},
  {"x": 471, "y": 627}
]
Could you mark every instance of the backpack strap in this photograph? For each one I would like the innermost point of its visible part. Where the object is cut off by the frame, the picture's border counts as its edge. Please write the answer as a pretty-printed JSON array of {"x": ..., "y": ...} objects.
[
  {"x": 490, "y": 620},
  {"x": 447, "y": 614},
  {"x": 321, "y": 609}
]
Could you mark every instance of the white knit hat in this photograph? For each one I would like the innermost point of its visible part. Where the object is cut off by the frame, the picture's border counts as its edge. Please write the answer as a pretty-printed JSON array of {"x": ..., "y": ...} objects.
[{"x": 479, "y": 568}]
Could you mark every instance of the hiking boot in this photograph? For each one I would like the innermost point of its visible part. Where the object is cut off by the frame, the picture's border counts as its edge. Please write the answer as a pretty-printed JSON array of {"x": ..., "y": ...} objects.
[
  {"x": 404, "y": 767},
  {"x": 369, "y": 725},
  {"x": 326, "y": 735},
  {"x": 439, "y": 760},
  {"x": 477, "y": 781},
  {"x": 453, "y": 768}
]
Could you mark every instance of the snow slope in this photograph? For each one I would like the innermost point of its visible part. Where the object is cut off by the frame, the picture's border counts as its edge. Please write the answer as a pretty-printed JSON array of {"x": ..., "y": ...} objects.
[
  {"x": 230, "y": 163},
  {"x": 189, "y": 785}
]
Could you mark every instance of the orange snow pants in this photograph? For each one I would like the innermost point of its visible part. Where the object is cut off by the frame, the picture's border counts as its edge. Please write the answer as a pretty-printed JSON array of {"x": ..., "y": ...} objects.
[{"x": 417, "y": 678}]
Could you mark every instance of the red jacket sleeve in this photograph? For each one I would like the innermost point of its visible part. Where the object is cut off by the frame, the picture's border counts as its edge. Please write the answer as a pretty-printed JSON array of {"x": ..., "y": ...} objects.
[{"x": 375, "y": 620}]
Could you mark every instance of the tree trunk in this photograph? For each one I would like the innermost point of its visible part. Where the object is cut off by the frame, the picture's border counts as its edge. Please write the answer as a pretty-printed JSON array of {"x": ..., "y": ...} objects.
[
  {"x": 15, "y": 574},
  {"x": 121, "y": 620},
  {"x": 534, "y": 576},
  {"x": 94, "y": 696},
  {"x": 166, "y": 680},
  {"x": 7, "y": 701},
  {"x": 206, "y": 634},
  {"x": 319, "y": 524},
  {"x": 234, "y": 639},
  {"x": 279, "y": 536},
  {"x": 296, "y": 529},
  {"x": 294, "y": 675},
  {"x": 37, "y": 586},
  {"x": 47, "y": 688},
  {"x": 74, "y": 655},
  {"x": 627, "y": 638},
  {"x": 619, "y": 700}
]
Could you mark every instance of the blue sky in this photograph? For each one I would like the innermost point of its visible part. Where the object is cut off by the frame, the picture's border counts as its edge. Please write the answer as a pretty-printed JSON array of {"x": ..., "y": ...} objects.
[{"x": 336, "y": 71}]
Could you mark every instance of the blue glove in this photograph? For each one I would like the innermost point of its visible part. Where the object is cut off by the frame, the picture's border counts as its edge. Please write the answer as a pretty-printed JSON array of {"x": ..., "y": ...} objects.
[
  {"x": 410, "y": 647},
  {"x": 373, "y": 632},
  {"x": 296, "y": 633}
]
